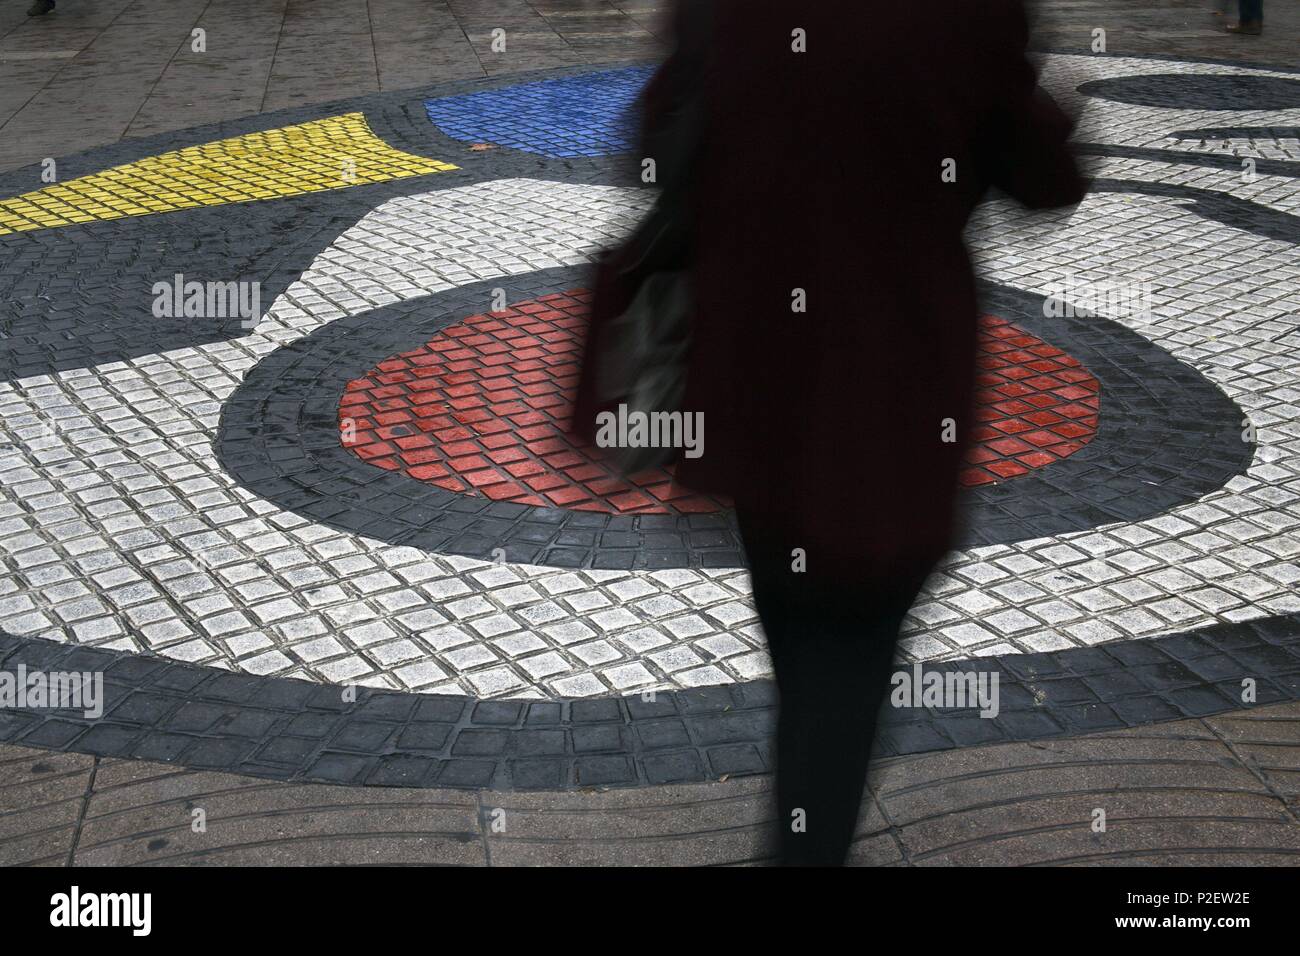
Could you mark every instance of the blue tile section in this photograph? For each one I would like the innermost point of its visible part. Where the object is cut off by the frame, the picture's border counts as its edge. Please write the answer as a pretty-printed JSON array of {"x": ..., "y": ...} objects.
[{"x": 584, "y": 115}]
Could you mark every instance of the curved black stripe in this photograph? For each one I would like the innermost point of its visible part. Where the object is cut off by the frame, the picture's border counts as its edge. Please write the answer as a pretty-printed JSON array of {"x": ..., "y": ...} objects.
[
  {"x": 208, "y": 718},
  {"x": 1217, "y": 206},
  {"x": 1166, "y": 436}
]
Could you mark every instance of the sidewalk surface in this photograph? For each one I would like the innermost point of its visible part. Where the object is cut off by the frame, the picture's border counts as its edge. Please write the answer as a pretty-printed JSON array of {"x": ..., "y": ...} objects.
[
  {"x": 356, "y": 599},
  {"x": 1195, "y": 792}
]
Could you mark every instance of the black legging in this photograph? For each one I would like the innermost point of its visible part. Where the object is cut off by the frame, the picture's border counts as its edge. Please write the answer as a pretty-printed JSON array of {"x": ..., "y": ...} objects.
[{"x": 832, "y": 647}]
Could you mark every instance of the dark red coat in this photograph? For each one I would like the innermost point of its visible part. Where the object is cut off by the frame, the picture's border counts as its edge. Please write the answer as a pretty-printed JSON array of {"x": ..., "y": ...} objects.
[{"x": 821, "y": 171}]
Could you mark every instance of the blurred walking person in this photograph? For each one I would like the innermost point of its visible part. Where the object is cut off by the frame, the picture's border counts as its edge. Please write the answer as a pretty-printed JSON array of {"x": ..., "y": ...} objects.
[{"x": 817, "y": 164}]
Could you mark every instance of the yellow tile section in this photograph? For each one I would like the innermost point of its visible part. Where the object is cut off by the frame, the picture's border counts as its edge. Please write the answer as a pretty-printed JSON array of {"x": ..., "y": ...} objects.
[{"x": 330, "y": 153}]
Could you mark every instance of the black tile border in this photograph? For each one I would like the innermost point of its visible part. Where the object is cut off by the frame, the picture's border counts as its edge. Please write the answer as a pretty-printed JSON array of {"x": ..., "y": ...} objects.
[
  {"x": 100, "y": 311},
  {"x": 1166, "y": 436},
  {"x": 1251, "y": 214},
  {"x": 205, "y": 718},
  {"x": 278, "y": 438},
  {"x": 1196, "y": 91}
]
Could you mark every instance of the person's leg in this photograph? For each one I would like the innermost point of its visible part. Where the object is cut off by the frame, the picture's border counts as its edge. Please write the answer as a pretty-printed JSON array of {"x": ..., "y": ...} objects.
[
  {"x": 834, "y": 676},
  {"x": 1250, "y": 16},
  {"x": 832, "y": 650}
]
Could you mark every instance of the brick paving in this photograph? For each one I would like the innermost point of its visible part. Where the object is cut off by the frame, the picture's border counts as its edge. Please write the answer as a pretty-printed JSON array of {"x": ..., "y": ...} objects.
[
  {"x": 187, "y": 506},
  {"x": 1216, "y": 791}
]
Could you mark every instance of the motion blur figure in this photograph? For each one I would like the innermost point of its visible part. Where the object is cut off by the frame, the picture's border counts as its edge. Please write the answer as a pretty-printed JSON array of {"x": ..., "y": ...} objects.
[{"x": 820, "y": 177}]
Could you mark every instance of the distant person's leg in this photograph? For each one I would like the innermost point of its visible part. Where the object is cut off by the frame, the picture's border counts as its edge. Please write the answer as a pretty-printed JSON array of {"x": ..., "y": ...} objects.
[
  {"x": 1250, "y": 17},
  {"x": 832, "y": 650},
  {"x": 40, "y": 8}
]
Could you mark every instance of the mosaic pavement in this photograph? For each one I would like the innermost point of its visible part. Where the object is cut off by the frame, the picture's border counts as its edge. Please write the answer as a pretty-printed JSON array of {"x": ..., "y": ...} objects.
[
  {"x": 234, "y": 512},
  {"x": 324, "y": 154}
]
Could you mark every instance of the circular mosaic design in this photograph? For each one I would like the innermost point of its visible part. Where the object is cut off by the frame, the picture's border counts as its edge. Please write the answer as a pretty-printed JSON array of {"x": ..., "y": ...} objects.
[{"x": 1059, "y": 464}]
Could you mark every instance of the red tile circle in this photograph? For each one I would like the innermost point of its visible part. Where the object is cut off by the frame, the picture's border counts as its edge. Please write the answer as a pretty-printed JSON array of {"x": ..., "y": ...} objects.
[{"x": 480, "y": 409}]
